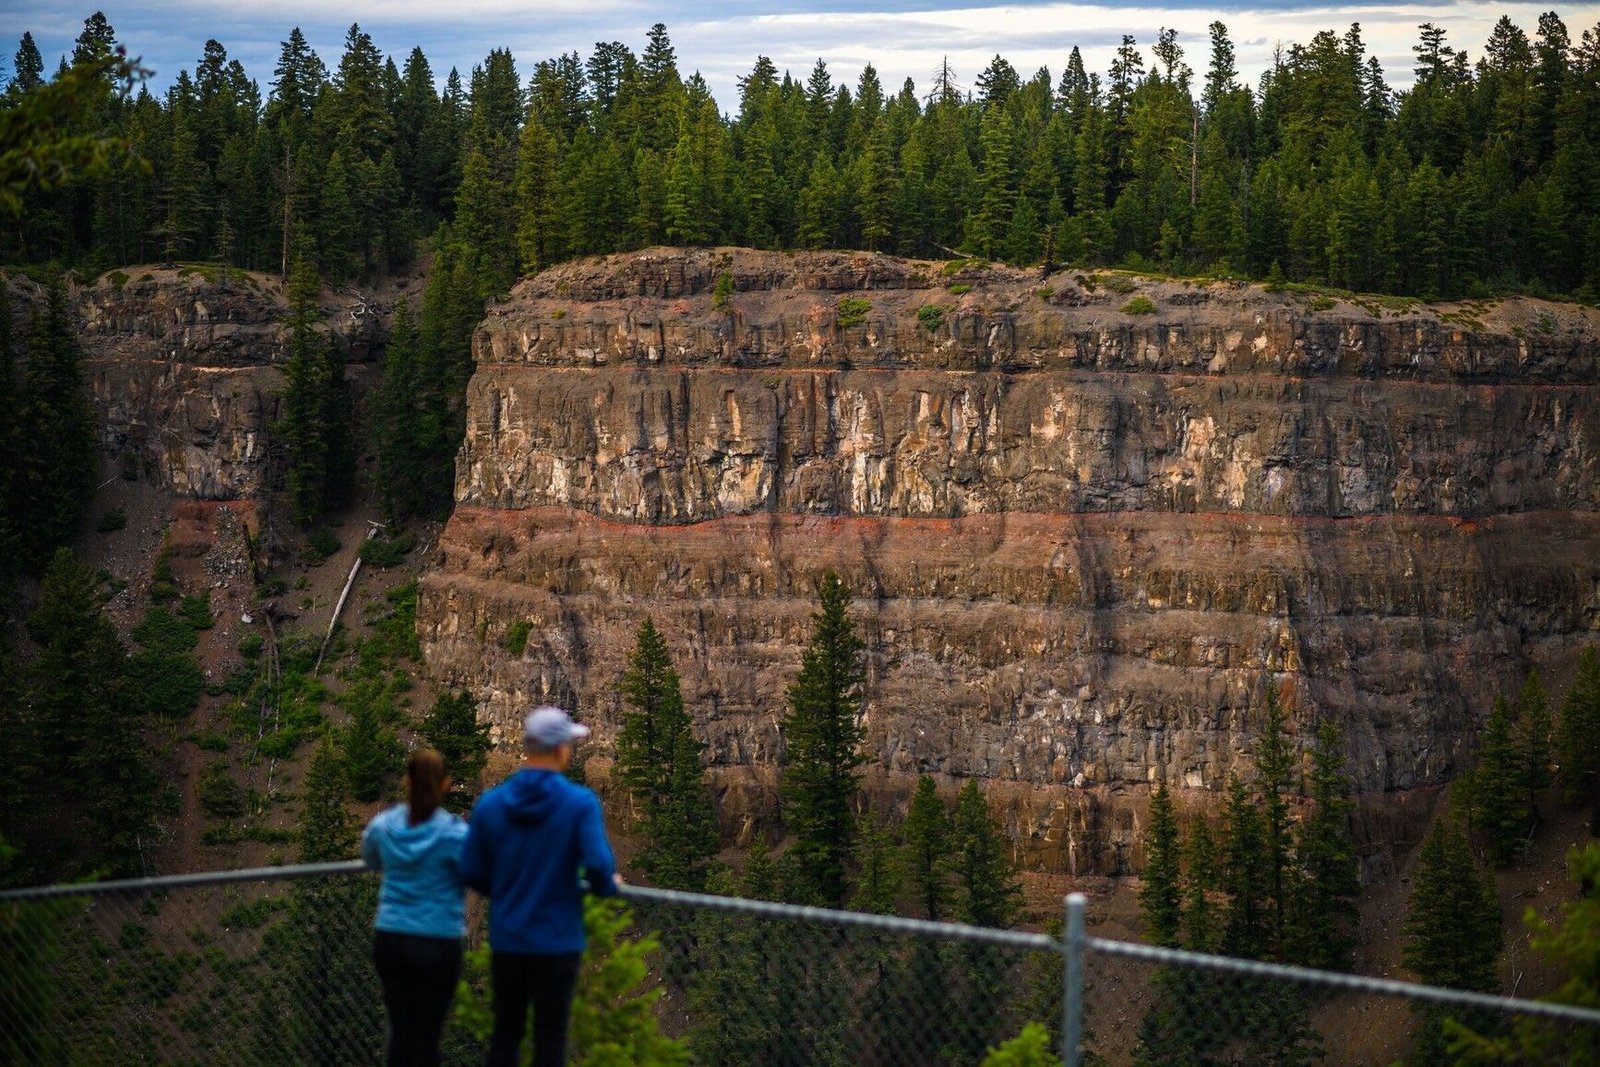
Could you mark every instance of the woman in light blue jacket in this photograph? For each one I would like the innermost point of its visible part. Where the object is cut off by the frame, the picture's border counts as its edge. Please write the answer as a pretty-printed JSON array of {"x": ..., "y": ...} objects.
[{"x": 421, "y": 909}]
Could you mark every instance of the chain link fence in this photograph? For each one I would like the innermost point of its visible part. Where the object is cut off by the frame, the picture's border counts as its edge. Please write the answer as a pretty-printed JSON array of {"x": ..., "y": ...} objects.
[{"x": 273, "y": 967}]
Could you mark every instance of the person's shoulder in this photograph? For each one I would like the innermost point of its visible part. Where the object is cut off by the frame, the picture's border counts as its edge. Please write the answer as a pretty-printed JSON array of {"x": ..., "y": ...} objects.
[
  {"x": 387, "y": 818},
  {"x": 489, "y": 800},
  {"x": 579, "y": 794}
]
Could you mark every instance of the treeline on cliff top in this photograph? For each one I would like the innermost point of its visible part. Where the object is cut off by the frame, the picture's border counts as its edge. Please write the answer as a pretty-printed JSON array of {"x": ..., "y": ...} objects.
[{"x": 1481, "y": 177}]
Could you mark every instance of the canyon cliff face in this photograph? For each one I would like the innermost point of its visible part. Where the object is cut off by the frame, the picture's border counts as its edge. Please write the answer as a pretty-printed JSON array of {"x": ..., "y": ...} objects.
[
  {"x": 186, "y": 372},
  {"x": 1081, "y": 541}
]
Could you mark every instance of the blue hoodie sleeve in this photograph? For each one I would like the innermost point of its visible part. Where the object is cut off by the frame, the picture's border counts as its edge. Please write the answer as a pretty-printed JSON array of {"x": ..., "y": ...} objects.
[
  {"x": 594, "y": 851},
  {"x": 475, "y": 860},
  {"x": 370, "y": 853}
]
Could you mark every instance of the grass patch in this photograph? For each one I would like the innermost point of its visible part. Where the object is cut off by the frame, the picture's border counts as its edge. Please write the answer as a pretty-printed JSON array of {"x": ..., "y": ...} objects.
[
  {"x": 252, "y": 914},
  {"x": 320, "y": 544},
  {"x": 387, "y": 551},
  {"x": 852, "y": 311},
  {"x": 233, "y": 835},
  {"x": 1322, "y": 303},
  {"x": 117, "y": 279},
  {"x": 559, "y": 313},
  {"x": 931, "y": 316},
  {"x": 1118, "y": 283},
  {"x": 1140, "y": 305},
  {"x": 196, "y": 611},
  {"x": 112, "y": 521},
  {"x": 958, "y": 288},
  {"x": 163, "y": 586},
  {"x": 956, "y": 266},
  {"x": 515, "y": 640}
]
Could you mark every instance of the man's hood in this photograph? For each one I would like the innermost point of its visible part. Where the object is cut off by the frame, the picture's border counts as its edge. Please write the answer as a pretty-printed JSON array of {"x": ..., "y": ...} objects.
[{"x": 534, "y": 796}]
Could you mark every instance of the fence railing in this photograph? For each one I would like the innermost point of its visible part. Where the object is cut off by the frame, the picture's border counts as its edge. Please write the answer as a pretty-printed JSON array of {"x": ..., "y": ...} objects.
[{"x": 271, "y": 965}]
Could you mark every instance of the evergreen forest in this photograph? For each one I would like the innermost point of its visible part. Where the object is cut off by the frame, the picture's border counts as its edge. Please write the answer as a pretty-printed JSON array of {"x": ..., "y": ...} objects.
[{"x": 1481, "y": 177}]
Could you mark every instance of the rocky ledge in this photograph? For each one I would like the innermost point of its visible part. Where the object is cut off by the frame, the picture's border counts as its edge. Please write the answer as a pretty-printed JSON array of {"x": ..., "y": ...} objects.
[{"x": 1086, "y": 517}]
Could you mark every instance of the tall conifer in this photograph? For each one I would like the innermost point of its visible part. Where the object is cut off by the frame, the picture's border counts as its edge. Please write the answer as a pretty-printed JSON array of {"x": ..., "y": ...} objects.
[{"x": 822, "y": 735}]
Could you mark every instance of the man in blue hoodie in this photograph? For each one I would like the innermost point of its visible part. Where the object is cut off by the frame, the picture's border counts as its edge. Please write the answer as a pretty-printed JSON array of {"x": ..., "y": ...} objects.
[{"x": 530, "y": 840}]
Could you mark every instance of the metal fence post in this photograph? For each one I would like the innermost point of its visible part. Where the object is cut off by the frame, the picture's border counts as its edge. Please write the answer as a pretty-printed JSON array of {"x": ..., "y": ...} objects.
[{"x": 1072, "y": 994}]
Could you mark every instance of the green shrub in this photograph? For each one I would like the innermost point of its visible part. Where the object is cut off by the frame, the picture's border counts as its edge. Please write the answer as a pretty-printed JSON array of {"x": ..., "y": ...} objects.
[
  {"x": 1030, "y": 1048},
  {"x": 559, "y": 313},
  {"x": 251, "y": 914},
  {"x": 164, "y": 683},
  {"x": 220, "y": 796},
  {"x": 112, "y": 521},
  {"x": 163, "y": 586},
  {"x": 388, "y": 551},
  {"x": 320, "y": 544},
  {"x": 931, "y": 316},
  {"x": 853, "y": 311},
  {"x": 196, "y": 611},
  {"x": 118, "y": 280},
  {"x": 209, "y": 742},
  {"x": 1140, "y": 305},
  {"x": 250, "y": 646},
  {"x": 960, "y": 287},
  {"x": 722, "y": 290},
  {"x": 162, "y": 631},
  {"x": 1322, "y": 303},
  {"x": 240, "y": 681},
  {"x": 1118, "y": 283},
  {"x": 515, "y": 640}
]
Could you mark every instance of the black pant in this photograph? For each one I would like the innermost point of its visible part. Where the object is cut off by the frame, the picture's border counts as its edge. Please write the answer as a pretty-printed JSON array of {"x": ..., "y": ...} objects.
[
  {"x": 545, "y": 980},
  {"x": 419, "y": 976}
]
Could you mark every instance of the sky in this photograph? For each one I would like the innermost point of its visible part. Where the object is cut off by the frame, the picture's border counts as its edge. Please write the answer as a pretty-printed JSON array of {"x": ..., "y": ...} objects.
[{"x": 721, "y": 38}]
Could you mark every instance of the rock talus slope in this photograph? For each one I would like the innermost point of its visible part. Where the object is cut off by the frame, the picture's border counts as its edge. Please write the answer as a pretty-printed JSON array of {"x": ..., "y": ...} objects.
[{"x": 1081, "y": 541}]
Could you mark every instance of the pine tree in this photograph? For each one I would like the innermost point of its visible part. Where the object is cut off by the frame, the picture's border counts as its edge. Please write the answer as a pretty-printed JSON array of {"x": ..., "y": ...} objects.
[
  {"x": 51, "y": 478},
  {"x": 658, "y": 762},
  {"x": 877, "y": 887},
  {"x": 1578, "y": 736},
  {"x": 331, "y": 1010},
  {"x": 1575, "y": 946},
  {"x": 1533, "y": 732},
  {"x": 1274, "y": 772},
  {"x": 10, "y": 446},
  {"x": 539, "y": 241},
  {"x": 1160, "y": 902},
  {"x": 1452, "y": 928},
  {"x": 84, "y": 723},
  {"x": 452, "y": 728},
  {"x": 371, "y": 752},
  {"x": 987, "y": 890},
  {"x": 327, "y": 831},
  {"x": 1320, "y": 925},
  {"x": 302, "y": 424},
  {"x": 925, "y": 856},
  {"x": 1500, "y": 787},
  {"x": 396, "y": 424},
  {"x": 1245, "y": 875},
  {"x": 987, "y": 228},
  {"x": 822, "y": 735}
]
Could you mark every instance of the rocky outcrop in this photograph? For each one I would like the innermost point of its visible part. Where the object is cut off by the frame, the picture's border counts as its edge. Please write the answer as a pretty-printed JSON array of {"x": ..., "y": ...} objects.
[
  {"x": 186, "y": 371},
  {"x": 1081, "y": 538}
]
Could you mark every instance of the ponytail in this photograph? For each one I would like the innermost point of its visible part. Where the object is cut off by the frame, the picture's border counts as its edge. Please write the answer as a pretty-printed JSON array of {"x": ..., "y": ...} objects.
[{"x": 424, "y": 784}]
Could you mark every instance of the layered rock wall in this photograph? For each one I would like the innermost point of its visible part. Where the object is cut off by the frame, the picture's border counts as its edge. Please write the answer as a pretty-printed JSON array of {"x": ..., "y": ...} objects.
[{"x": 1081, "y": 541}]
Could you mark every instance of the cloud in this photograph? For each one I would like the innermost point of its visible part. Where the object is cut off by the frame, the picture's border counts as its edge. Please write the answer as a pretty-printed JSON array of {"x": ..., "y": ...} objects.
[{"x": 901, "y": 38}]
